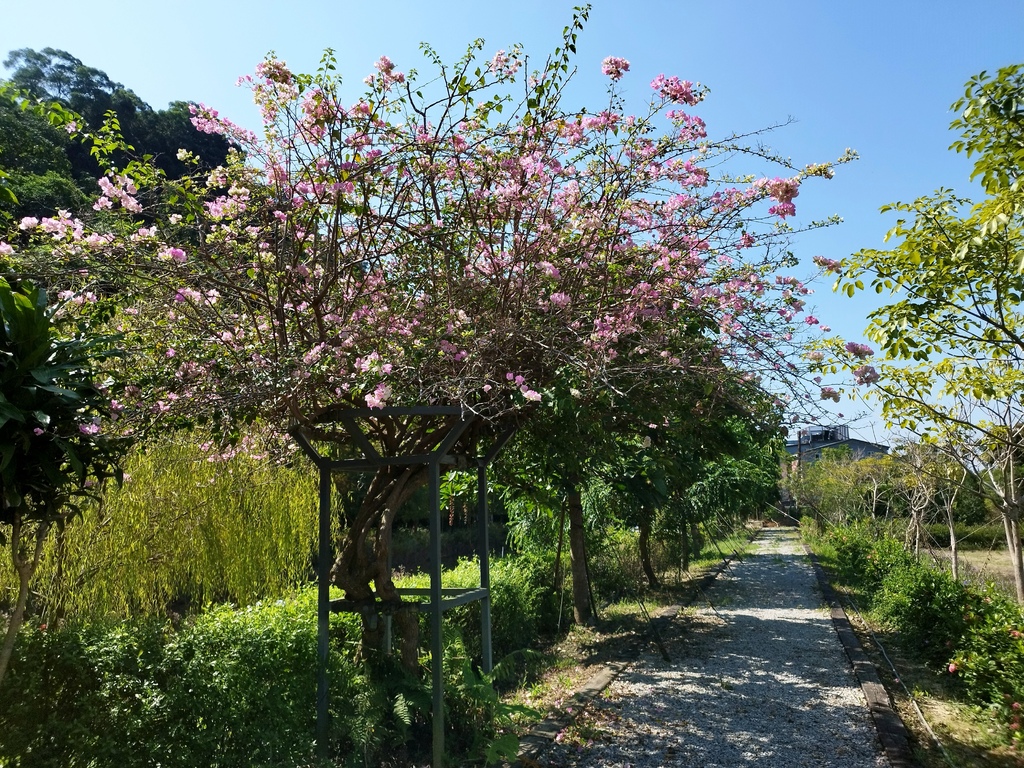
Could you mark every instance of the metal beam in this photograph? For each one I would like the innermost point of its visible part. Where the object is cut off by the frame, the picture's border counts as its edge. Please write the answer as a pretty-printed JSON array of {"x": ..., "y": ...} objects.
[
  {"x": 436, "y": 644},
  {"x": 484, "y": 548},
  {"x": 499, "y": 445},
  {"x": 323, "y": 617}
]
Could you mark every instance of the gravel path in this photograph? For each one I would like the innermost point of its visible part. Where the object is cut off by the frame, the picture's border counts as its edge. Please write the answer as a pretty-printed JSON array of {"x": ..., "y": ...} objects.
[{"x": 761, "y": 679}]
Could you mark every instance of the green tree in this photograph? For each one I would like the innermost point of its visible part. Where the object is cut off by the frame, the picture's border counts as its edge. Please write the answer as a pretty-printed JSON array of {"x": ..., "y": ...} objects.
[
  {"x": 53, "y": 75},
  {"x": 953, "y": 336},
  {"x": 54, "y": 445}
]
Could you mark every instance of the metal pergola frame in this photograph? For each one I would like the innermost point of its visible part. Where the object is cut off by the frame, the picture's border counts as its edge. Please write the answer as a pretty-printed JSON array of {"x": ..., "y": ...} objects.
[{"x": 441, "y": 599}]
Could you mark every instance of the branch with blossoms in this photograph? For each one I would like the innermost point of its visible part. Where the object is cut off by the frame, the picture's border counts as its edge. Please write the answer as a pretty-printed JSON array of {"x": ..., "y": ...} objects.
[{"x": 437, "y": 242}]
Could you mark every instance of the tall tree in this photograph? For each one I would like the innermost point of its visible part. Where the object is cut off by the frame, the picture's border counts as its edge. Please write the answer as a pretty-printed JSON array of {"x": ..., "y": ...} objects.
[
  {"x": 955, "y": 331},
  {"x": 464, "y": 240},
  {"x": 53, "y": 75}
]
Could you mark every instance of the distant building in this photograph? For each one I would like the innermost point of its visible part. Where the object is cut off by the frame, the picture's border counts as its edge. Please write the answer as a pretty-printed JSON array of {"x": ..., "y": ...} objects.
[{"x": 811, "y": 441}]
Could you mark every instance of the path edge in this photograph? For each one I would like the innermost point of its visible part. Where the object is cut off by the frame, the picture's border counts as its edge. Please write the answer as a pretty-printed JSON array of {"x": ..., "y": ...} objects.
[{"x": 892, "y": 733}]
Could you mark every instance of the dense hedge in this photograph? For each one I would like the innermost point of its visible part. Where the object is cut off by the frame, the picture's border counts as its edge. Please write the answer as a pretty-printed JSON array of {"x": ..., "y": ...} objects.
[
  {"x": 236, "y": 687},
  {"x": 974, "y": 634}
]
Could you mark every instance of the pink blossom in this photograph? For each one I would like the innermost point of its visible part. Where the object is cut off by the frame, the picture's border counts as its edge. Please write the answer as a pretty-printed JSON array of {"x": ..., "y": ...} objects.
[
  {"x": 615, "y": 67},
  {"x": 829, "y": 265},
  {"x": 6, "y": 249},
  {"x": 828, "y": 393},
  {"x": 811, "y": 320},
  {"x": 29, "y": 222},
  {"x": 858, "y": 350},
  {"x": 91, "y": 428},
  {"x": 378, "y": 398},
  {"x": 865, "y": 374},
  {"x": 559, "y": 299},
  {"x": 674, "y": 89}
]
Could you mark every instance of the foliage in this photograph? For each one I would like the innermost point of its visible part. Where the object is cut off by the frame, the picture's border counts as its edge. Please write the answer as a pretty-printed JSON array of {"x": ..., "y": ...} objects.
[
  {"x": 236, "y": 686},
  {"x": 951, "y": 337},
  {"x": 190, "y": 526},
  {"x": 230, "y": 688},
  {"x": 976, "y": 635},
  {"x": 524, "y": 605},
  {"x": 54, "y": 447},
  {"x": 33, "y": 150}
]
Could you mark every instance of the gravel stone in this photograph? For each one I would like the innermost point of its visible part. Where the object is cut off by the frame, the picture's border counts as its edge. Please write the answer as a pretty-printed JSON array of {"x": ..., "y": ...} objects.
[{"x": 757, "y": 677}]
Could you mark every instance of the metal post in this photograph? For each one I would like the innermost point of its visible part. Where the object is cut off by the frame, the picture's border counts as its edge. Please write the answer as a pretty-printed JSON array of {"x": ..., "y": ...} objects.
[
  {"x": 485, "y": 567},
  {"x": 436, "y": 645},
  {"x": 323, "y": 615}
]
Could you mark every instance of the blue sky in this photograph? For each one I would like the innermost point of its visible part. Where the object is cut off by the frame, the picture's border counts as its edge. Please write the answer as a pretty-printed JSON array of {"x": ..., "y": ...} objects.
[{"x": 877, "y": 77}]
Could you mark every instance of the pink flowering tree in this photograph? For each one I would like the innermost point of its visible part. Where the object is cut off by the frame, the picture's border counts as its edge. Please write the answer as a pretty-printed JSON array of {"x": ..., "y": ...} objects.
[{"x": 465, "y": 238}]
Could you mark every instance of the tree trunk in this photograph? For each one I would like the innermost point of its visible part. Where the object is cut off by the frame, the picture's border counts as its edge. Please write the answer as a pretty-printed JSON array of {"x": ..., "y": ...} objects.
[
  {"x": 954, "y": 556},
  {"x": 696, "y": 539},
  {"x": 685, "y": 545},
  {"x": 558, "y": 550},
  {"x": 581, "y": 608},
  {"x": 645, "y": 552},
  {"x": 1011, "y": 527},
  {"x": 362, "y": 567},
  {"x": 26, "y": 568}
]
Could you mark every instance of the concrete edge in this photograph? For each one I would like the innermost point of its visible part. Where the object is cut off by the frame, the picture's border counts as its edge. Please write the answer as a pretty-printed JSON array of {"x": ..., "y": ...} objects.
[
  {"x": 892, "y": 733},
  {"x": 543, "y": 734}
]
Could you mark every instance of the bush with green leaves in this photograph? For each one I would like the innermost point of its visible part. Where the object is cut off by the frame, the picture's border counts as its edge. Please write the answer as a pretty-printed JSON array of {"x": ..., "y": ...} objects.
[
  {"x": 974, "y": 634},
  {"x": 230, "y": 688},
  {"x": 524, "y": 604}
]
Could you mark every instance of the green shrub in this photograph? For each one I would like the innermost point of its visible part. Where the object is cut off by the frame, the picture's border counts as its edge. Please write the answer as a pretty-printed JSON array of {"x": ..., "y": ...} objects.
[
  {"x": 976, "y": 635},
  {"x": 990, "y": 657},
  {"x": 969, "y": 536},
  {"x": 230, "y": 688},
  {"x": 810, "y": 528},
  {"x": 926, "y": 606},
  {"x": 524, "y": 605}
]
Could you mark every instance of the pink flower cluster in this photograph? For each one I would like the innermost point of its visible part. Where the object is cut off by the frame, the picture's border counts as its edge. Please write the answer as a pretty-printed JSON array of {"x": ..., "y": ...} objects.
[
  {"x": 828, "y": 393},
  {"x": 784, "y": 191},
  {"x": 504, "y": 64},
  {"x": 829, "y": 265},
  {"x": 387, "y": 76},
  {"x": 615, "y": 67},
  {"x": 675, "y": 90},
  {"x": 858, "y": 350},
  {"x": 865, "y": 374}
]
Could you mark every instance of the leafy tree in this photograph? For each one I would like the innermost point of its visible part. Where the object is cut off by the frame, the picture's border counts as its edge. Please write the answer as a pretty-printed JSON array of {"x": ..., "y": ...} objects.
[
  {"x": 55, "y": 76},
  {"x": 462, "y": 240},
  {"x": 53, "y": 442},
  {"x": 952, "y": 338},
  {"x": 34, "y": 166}
]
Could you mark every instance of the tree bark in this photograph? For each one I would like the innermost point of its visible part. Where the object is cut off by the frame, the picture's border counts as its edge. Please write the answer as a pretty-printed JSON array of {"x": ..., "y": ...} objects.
[
  {"x": 696, "y": 539},
  {"x": 1011, "y": 527},
  {"x": 362, "y": 567},
  {"x": 645, "y": 552},
  {"x": 685, "y": 544},
  {"x": 26, "y": 568},
  {"x": 954, "y": 555},
  {"x": 581, "y": 607}
]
